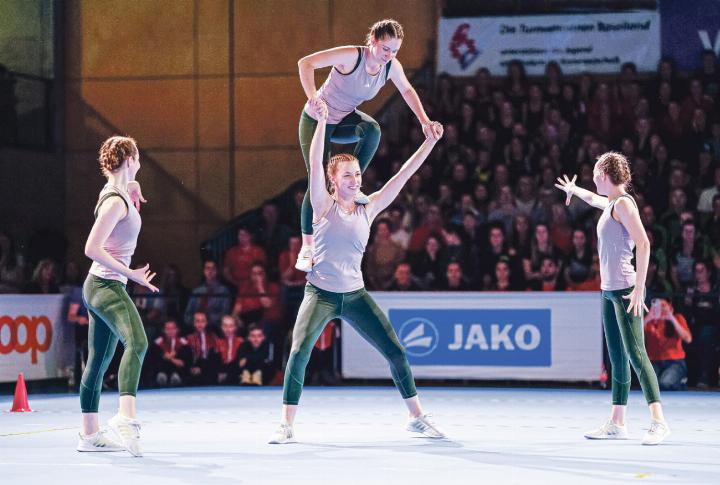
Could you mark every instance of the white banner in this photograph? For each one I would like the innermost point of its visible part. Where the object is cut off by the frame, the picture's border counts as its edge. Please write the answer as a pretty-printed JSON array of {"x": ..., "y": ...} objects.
[
  {"x": 34, "y": 337},
  {"x": 597, "y": 42},
  {"x": 521, "y": 335}
]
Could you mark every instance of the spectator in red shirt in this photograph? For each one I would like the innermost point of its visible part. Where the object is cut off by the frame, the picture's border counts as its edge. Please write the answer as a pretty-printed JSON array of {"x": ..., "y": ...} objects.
[
  {"x": 228, "y": 347},
  {"x": 258, "y": 299},
  {"x": 205, "y": 358},
  {"x": 665, "y": 332},
  {"x": 172, "y": 356},
  {"x": 239, "y": 259}
]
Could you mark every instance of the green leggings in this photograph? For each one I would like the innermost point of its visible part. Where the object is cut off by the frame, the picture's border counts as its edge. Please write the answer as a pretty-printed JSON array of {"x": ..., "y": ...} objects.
[
  {"x": 113, "y": 317},
  {"x": 626, "y": 345},
  {"x": 359, "y": 310},
  {"x": 355, "y": 127}
]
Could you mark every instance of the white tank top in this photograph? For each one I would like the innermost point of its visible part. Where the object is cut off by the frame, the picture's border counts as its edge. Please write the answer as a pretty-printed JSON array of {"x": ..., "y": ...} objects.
[
  {"x": 344, "y": 92},
  {"x": 340, "y": 241},
  {"x": 122, "y": 240}
]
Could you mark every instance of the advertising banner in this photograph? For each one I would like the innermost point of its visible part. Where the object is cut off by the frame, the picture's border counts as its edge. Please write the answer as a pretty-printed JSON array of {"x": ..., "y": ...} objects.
[
  {"x": 528, "y": 336},
  {"x": 598, "y": 43}
]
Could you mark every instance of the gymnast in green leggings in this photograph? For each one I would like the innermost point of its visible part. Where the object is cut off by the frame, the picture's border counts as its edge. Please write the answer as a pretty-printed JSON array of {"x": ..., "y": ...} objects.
[
  {"x": 335, "y": 287},
  {"x": 113, "y": 316},
  {"x": 619, "y": 230},
  {"x": 357, "y": 75}
]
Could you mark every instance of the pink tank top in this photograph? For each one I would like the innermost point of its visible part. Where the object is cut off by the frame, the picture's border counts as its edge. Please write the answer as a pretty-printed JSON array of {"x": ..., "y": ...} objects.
[
  {"x": 344, "y": 92},
  {"x": 122, "y": 240}
]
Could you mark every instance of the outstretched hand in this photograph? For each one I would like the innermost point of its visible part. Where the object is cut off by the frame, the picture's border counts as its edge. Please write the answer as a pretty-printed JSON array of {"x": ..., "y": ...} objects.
[
  {"x": 567, "y": 186},
  {"x": 637, "y": 302},
  {"x": 143, "y": 276}
]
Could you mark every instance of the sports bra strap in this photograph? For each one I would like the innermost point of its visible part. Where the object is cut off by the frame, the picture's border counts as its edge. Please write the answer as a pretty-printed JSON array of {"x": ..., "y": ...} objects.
[{"x": 106, "y": 197}]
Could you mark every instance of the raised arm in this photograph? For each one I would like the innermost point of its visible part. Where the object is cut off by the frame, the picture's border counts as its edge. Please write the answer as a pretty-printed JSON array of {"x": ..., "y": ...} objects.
[
  {"x": 384, "y": 197},
  {"x": 343, "y": 58},
  {"x": 629, "y": 217},
  {"x": 319, "y": 197},
  {"x": 408, "y": 93},
  {"x": 568, "y": 186},
  {"x": 109, "y": 215}
]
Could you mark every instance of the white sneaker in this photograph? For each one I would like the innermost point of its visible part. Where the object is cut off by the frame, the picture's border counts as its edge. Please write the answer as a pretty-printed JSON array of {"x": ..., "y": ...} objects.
[
  {"x": 424, "y": 425},
  {"x": 657, "y": 433},
  {"x": 361, "y": 199},
  {"x": 304, "y": 260},
  {"x": 283, "y": 435},
  {"x": 175, "y": 379},
  {"x": 608, "y": 431},
  {"x": 98, "y": 442},
  {"x": 128, "y": 430}
]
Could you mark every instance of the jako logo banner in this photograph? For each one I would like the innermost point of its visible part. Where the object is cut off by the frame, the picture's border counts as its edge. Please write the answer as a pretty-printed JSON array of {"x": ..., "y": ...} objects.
[{"x": 476, "y": 337}]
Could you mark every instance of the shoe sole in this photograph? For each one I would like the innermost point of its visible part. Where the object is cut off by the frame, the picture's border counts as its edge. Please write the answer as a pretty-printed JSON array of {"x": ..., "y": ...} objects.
[
  {"x": 425, "y": 434},
  {"x": 100, "y": 450},
  {"x": 606, "y": 438},
  {"x": 287, "y": 442}
]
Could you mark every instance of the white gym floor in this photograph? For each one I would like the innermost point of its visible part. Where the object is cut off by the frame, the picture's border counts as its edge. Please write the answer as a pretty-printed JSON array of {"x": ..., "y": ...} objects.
[{"x": 356, "y": 435}]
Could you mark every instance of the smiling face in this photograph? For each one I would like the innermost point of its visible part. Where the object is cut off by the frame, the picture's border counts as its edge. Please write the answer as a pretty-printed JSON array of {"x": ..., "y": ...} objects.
[
  {"x": 385, "y": 49},
  {"x": 346, "y": 178}
]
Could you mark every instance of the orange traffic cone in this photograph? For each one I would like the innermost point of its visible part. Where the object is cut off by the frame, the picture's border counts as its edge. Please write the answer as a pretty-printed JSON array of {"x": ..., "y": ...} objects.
[{"x": 20, "y": 403}]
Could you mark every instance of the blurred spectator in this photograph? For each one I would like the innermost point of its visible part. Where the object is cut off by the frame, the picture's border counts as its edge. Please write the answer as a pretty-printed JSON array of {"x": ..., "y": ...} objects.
[
  {"x": 427, "y": 266},
  {"x": 454, "y": 280},
  {"x": 211, "y": 298},
  {"x": 228, "y": 347},
  {"x": 258, "y": 299},
  {"x": 665, "y": 333},
  {"x": 706, "y": 196},
  {"x": 170, "y": 302},
  {"x": 381, "y": 257},
  {"x": 171, "y": 356},
  {"x": 272, "y": 235},
  {"x": 578, "y": 263},
  {"x": 550, "y": 274},
  {"x": 256, "y": 359},
  {"x": 541, "y": 247},
  {"x": 204, "y": 346},
  {"x": 240, "y": 258},
  {"x": 403, "y": 279},
  {"x": 11, "y": 266},
  {"x": 683, "y": 257},
  {"x": 703, "y": 303},
  {"x": 292, "y": 280},
  {"x": 72, "y": 278},
  {"x": 44, "y": 279},
  {"x": 502, "y": 277},
  {"x": 321, "y": 368}
]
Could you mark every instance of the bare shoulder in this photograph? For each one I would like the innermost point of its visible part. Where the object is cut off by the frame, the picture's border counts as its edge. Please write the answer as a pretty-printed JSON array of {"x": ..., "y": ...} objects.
[{"x": 624, "y": 208}]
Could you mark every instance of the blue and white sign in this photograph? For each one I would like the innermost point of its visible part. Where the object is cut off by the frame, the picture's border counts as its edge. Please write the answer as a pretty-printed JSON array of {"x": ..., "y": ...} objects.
[
  {"x": 475, "y": 337},
  {"x": 523, "y": 335}
]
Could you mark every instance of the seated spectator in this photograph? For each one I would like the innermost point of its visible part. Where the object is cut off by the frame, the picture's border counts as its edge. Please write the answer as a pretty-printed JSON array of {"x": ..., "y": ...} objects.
[
  {"x": 706, "y": 196},
  {"x": 78, "y": 316},
  {"x": 211, "y": 298},
  {"x": 256, "y": 359},
  {"x": 454, "y": 280},
  {"x": 172, "y": 356},
  {"x": 431, "y": 226},
  {"x": 171, "y": 300},
  {"x": 272, "y": 235},
  {"x": 321, "y": 368},
  {"x": 292, "y": 279},
  {"x": 502, "y": 277},
  {"x": 665, "y": 333},
  {"x": 703, "y": 305},
  {"x": 381, "y": 257},
  {"x": 72, "y": 278},
  {"x": 240, "y": 258},
  {"x": 12, "y": 271},
  {"x": 550, "y": 274},
  {"x": 403, "y": 279},
  {"x": 689, "y": 249},
  {"x": 540, "y": 247},
  {"x": 593, "y": 281},
  {"x": 44, "y": 279},
  {"x": 259, "y": 299},
  {"x": 656, "y": 285},
  {"x": 427, "y": 266},
  {"x": 712, "y": 223},
  {"x": 205, "y": 357},
  {"x": 577, "y": 264},
  {"x": 228, "y": 347}
]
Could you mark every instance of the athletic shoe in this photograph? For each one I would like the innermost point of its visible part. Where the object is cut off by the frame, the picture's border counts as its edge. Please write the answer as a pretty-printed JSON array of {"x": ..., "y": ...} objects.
[
  {"x": 161, "y": 379},
  {"x": 657, "y": 433},
  {"x": 98, "y": 442},
  {"x": 283, "y": 435},
  {"x": 304, "y": 259},
  {"x": 128, "y": 430},
  {"x": 361, "y": 199},
  {"x": 608, "y": 431},
  {"x": 175, "y": 379},
  {"x": 424, "y": 425}
]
